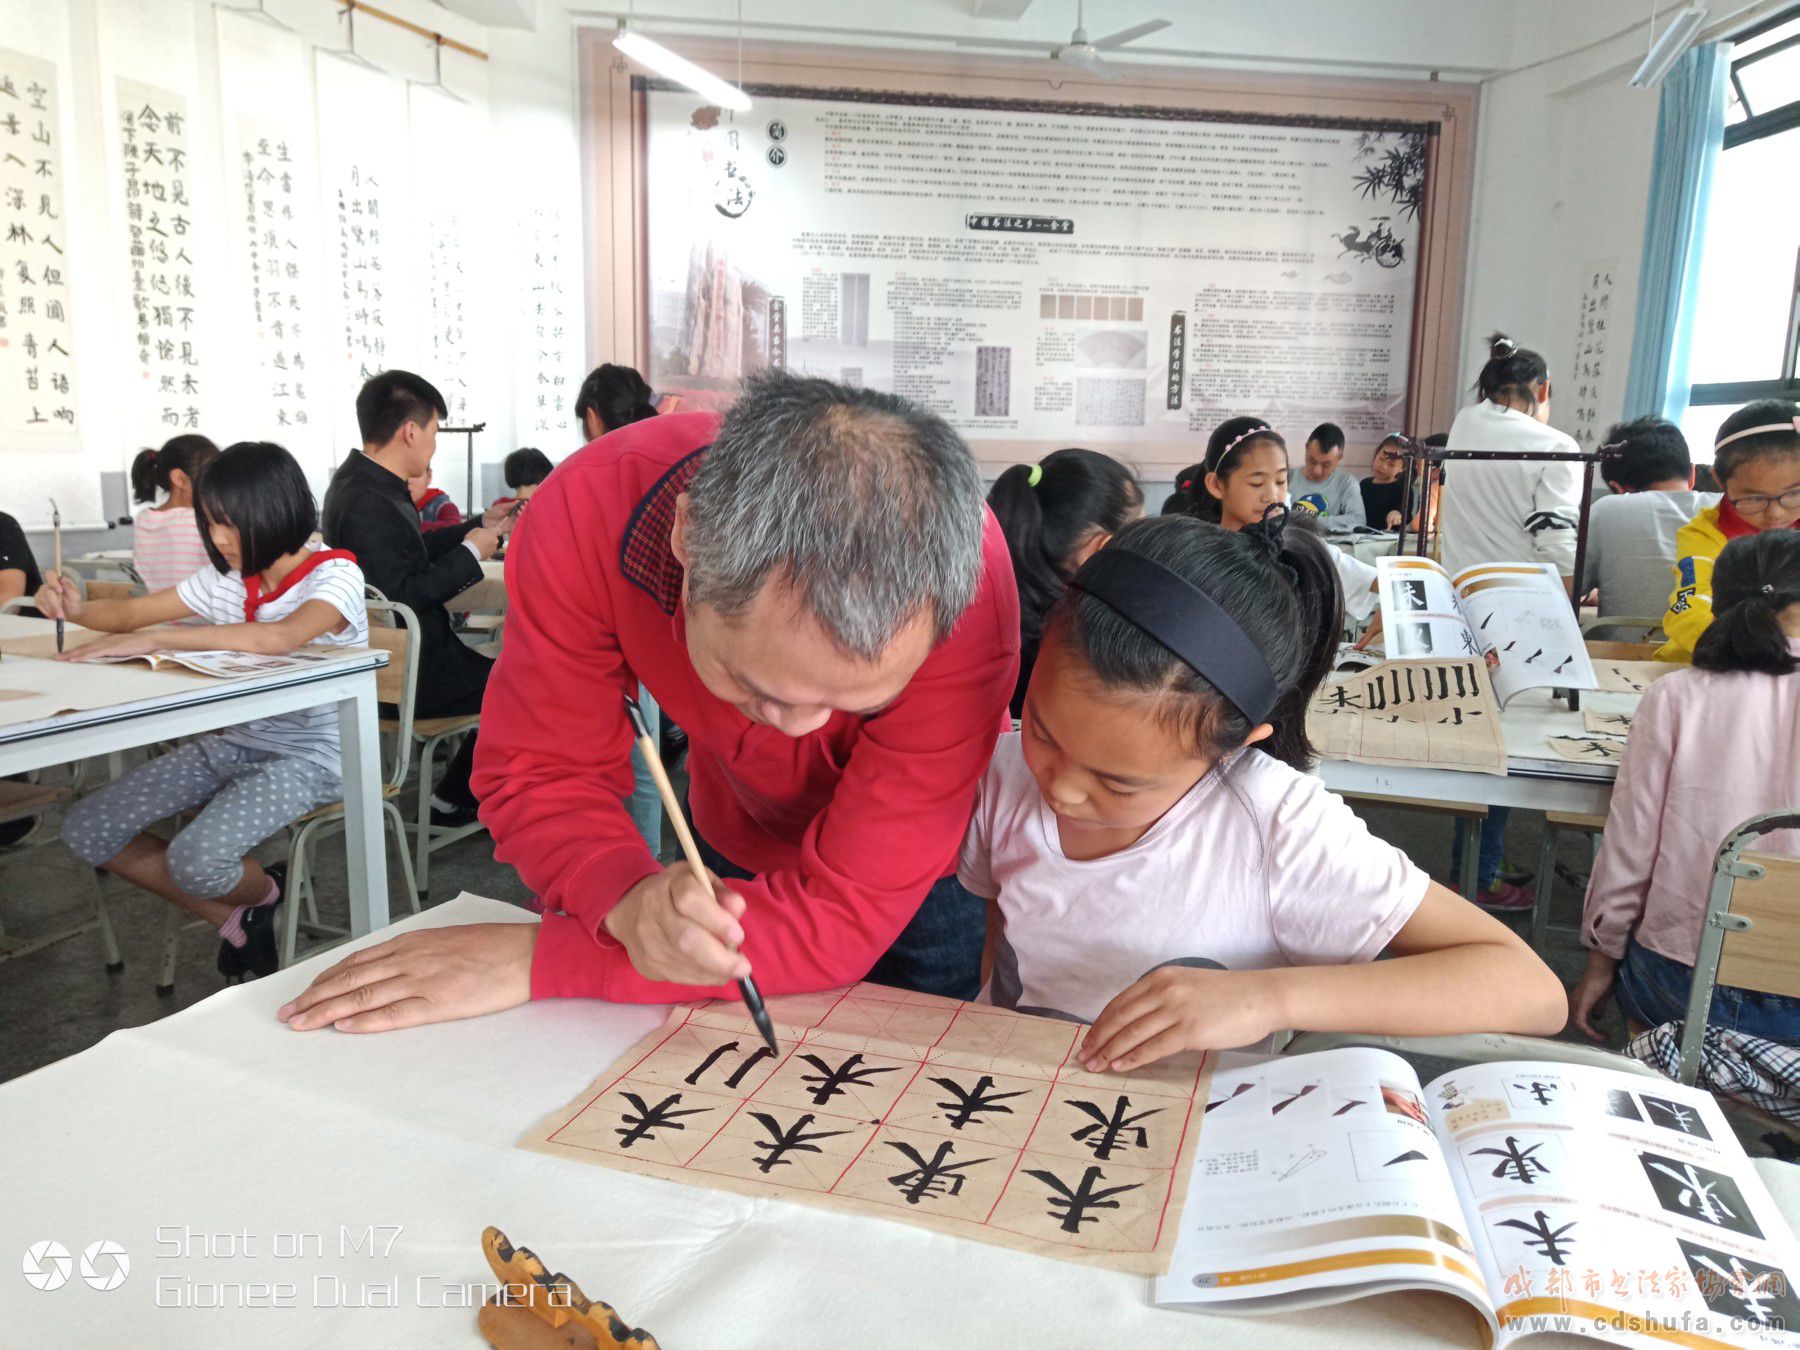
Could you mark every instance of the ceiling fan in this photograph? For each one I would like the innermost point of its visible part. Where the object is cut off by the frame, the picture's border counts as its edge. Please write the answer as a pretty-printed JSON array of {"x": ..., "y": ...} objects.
[{"x": 1080, "y": 51}]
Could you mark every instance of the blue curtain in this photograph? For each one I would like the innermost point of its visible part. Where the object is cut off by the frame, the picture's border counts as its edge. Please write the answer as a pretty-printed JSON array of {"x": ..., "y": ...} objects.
[{"x": 1690, "y": 126}]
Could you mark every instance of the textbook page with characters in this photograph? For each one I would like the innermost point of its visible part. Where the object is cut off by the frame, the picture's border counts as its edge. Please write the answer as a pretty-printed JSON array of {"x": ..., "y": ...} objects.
[
  {"x": 1515, "y": 616},
  {"x": 1550, "y": 1198}
]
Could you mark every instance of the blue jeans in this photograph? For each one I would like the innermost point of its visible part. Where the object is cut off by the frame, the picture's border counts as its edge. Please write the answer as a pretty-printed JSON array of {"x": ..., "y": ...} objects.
[
  {"x": 645, "y": 802},
  {"x": 939, "y": 950},
  {"x": 1653, "y": 989},
  {"x": 1493, "y": 847}
]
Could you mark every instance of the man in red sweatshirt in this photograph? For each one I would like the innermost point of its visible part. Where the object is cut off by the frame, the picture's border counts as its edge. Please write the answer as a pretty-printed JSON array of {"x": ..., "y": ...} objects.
[{"x": 815, "y": 591}]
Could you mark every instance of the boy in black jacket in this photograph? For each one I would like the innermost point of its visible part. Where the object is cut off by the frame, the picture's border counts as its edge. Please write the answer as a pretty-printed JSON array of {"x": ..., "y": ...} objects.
[{"x": 369, "y": 511}]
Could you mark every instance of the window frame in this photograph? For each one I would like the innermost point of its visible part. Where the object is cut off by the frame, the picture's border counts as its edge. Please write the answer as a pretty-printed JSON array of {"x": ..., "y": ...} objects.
[{"x": 1784, "y": 119}]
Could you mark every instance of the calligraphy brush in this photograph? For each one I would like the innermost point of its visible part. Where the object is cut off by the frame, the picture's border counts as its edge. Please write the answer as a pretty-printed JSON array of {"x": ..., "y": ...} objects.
[
  {"x": 56, "y": 528},
  {"x": 646, "y": 744}
]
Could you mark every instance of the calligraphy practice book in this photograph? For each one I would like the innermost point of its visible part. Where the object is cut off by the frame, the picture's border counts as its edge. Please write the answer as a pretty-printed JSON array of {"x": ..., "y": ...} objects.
[
  {"x": 1549, "y": 1197},
  {"x": 1514, "y": 616},
  {"x": 1431, "y": 714},
  {"x": 974, "y": 1121}
]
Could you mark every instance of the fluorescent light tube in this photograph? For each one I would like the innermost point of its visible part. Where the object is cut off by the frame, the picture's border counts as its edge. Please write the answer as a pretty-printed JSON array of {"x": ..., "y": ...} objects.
[
  {"x": 683, "y": 71},
  {"x": 1669, "y": 47}
]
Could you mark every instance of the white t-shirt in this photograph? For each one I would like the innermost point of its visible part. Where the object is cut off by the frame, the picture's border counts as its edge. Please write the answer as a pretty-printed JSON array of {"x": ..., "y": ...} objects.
[
  {"x": 1257, "y": 867},
  {"x": 310, "y": 733},
  {"x": 1508, "y": 510},
  {"x": 166, "y": 547},
  {"x": 1358, "y": 580}
]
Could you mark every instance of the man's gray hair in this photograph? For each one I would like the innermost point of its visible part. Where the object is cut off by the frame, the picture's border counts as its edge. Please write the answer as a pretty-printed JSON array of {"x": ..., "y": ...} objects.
[{"x": 869, "y": 507}]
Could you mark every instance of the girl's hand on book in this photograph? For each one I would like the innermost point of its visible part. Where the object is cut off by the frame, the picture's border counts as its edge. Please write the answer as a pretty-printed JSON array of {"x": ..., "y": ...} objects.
[
  {"x": 119, "y": 644},
  {"x": 1176, "y": 1008}
]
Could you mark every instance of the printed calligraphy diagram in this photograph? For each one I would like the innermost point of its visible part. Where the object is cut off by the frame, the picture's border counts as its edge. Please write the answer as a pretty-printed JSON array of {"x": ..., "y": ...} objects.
[{"x": 966, "y": 1119}]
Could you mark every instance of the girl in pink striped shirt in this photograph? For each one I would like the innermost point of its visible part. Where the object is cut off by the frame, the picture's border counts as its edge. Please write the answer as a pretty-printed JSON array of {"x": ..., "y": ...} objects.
[
  {"x": 1709, "y": 748},
  {"x": 166, "y": 547}
]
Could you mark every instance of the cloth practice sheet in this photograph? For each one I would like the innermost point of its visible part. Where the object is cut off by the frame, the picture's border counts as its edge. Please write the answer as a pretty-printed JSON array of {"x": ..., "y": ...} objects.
[{"x": 971, "y": 1120}]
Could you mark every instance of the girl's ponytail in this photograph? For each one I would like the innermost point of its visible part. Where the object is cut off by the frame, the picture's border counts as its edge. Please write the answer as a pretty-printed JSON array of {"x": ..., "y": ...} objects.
[
  {"x": 1304, "y": 561},
  {"x": 1015, "y": 504},
  {"x": 1755, "y": 579},
  {"x": 144, "y": 479}
]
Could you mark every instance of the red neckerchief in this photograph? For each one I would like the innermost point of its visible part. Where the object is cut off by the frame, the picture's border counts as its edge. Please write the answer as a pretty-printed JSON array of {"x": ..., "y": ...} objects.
[{"x": 254, "y": 599}]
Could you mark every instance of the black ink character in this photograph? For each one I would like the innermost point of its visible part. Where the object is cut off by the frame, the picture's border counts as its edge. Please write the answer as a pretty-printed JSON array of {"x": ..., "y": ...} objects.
[
  {"x": 649, "y": 1119},
  {"x": 831, "y": 1082},
  {"x": 737, "y": 1076},
  {"x": 1232, "y": 1096},
  {"x": 1541, "y": 1093},
  {"x": 793, "y": 1139},
  {"x": 1542, "y": 1238},
  {"x": 1286, "y": 1102},
  {"x": 1517, "y": 1164},
  {"x": 1112, "y": 1130},
  {"x": 1076, "y": 1205},
  {"x": 972, "y": 1103},
  {"x": 1711, "y": 1197},
  {"x": 929, "y": 1178},
  {"x": 1347, "y": 1106}
]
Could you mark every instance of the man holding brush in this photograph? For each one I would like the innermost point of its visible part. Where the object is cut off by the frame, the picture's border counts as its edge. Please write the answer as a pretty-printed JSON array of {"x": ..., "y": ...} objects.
[{"x": 814, "y": 590}]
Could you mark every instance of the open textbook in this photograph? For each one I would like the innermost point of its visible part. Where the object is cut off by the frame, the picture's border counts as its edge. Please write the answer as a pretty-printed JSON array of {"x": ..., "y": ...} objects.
[
  {"x": 1515, "y": 616},
  {"x": 221, "y": 664},
  {"x": 1551, "y": 1198}
]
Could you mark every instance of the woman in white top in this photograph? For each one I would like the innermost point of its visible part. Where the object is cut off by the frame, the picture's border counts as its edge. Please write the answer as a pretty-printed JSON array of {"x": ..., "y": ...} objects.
[
  {"x": 166, "y": 545},
  {"x": 1510, "y": 510}
]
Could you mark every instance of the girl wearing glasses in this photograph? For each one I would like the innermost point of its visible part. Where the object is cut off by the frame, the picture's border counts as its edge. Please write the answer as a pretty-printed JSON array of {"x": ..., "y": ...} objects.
[{"x": 1756, "y": 458}]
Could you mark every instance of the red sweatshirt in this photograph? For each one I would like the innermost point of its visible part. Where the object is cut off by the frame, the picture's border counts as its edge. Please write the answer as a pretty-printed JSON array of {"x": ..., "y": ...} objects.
[{"x": 847, "y": 827}]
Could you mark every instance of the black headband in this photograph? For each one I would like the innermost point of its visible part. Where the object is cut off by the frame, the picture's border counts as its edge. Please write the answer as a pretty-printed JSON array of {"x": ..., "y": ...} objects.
[{"x": 1187, "y": 621}]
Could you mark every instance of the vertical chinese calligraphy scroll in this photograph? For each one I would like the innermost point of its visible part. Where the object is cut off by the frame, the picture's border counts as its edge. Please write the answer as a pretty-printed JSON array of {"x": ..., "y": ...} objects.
[
  {"x": 152, "y": 129},
  {"x": 1587, "y": 361},
  {"x": 547, "y": 342},
  {"x": 37, "y": 362}
]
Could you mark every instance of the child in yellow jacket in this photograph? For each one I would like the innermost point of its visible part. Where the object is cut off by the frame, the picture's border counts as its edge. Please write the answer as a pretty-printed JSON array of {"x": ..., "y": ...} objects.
[{"x": 1756, "y": 458}]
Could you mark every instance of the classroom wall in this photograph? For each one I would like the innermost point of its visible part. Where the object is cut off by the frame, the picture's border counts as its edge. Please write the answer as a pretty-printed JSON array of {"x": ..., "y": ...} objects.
[
  {"x": 498, "y": 174},
  {"x": 1563, "y": 164}
]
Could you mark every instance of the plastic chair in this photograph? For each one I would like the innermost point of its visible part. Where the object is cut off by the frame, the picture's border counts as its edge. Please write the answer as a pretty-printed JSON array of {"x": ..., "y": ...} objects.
[{"x": 1750, "y": 936}]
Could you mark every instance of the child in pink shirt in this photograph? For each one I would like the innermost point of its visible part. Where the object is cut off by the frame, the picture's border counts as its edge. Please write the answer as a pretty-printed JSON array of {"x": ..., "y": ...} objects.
[
  {"x": 1159, "y": 859},
  {"x": 1709, "y": 748}
]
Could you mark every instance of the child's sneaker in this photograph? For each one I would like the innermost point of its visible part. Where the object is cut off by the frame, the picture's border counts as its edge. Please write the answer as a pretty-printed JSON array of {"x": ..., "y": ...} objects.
[
  {"x": 1506, "y": 898},
  {"x": 259, "y": 954}
]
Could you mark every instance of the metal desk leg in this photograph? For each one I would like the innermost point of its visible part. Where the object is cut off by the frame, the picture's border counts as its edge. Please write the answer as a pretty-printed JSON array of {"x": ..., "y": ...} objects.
[{"x": 363, "y": 838}]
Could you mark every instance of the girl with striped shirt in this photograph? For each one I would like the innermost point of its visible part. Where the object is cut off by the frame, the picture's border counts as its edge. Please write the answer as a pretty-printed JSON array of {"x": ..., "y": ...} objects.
[
  {"x": 165, "y": 540},
  {"x": 265, "y": 590}
]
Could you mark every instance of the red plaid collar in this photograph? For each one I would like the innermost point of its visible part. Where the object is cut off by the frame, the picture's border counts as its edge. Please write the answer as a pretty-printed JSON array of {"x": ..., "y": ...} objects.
[{"x": 644, "y": 555}]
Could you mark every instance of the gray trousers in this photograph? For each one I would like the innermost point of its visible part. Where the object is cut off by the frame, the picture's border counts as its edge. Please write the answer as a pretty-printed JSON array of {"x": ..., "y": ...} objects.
[{"x": 249, "y": 795}]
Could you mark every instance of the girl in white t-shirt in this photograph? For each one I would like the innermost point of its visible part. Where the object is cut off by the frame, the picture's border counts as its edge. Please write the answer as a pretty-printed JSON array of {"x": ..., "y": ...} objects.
[
  {"x": 267, "y": 591},
  {"x": 166, "y": 544},
  {"x": 1155, "y": 808}
]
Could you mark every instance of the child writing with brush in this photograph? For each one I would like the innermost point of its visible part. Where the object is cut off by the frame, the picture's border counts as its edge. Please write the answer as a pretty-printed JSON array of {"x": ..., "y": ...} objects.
[
  {"x": 266, "y": 590},
  {"x": 1154, "y": 816}
]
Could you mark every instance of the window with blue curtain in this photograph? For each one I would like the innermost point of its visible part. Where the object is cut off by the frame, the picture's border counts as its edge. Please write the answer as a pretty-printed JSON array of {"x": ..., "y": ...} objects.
[{"x": 1738, "y": 337}]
